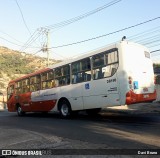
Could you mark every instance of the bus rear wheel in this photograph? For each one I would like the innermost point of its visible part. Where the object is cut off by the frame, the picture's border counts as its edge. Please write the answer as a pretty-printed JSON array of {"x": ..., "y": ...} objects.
[
  {"x": 19, "y": 111},
  {"x": 65, "y": 109}
]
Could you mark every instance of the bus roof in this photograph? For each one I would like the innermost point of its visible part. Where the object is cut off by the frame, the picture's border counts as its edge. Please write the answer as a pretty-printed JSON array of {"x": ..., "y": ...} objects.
[
  {"x": 88, "y": 54},
  {"x": 29, "y": 75},
  {"x": 96, "y": 51}
]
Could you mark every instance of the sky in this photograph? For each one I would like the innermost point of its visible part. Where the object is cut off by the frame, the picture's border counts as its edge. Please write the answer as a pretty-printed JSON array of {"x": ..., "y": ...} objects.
[{"x": 25, "y": 20}]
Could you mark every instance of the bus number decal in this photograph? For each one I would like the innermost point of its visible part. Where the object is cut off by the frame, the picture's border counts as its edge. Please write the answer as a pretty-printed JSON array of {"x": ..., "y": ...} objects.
[
  {"x": 87, "y": 86},
  {"x": 112, "y": 89},
  {"x": 111, "y": 80}
]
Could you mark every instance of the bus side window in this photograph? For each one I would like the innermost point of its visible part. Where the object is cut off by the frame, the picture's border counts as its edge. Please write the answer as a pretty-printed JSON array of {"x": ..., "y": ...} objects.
[
  {"x": 81, "y": 71},
  {"x": 58, "y": 74},
  {"x": 107, "y": 71},
  {"x": 98, "y": 74},
  {"x": 98, "y": 64},
  {"x": 25, "y": 85},
  {"x": 10, "y": 91},
  {"x": 86, "y": 68},
  {"x": 44, "y": 79},
  {"x": 62, "y": 75},
  {"x": 18, "y": 87},
  {"x": 56, "y": 83},
  {"x": 87, "y": 76},
  {"x": 32, "y": 88},
  {"x": 111, "y": 57},
  {"x": 38, "y": 81},
  {"x": 35, "y": 83},
  {"x": 105, "y": 64},
  {"x": 66, "y": 75},
  {"x": 53, "y": 84},
  {"x": 74, "y": 79}
]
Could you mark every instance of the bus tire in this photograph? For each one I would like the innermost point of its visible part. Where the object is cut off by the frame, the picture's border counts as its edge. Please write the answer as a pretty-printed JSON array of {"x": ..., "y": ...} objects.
[
  {"x": 19, "y": 111},
  {"x": 65, "y": 109},
  {"x": 93, "y": 112}
]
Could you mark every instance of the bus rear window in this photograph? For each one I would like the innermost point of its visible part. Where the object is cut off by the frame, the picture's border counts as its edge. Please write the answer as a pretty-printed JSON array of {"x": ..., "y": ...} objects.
[{"x": 147, "y": 55}]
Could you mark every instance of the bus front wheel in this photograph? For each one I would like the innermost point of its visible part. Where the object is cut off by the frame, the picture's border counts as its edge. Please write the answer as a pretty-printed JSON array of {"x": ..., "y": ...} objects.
[
  {"x": 19, "y": 111},
  {"x": 65, "y": 109}
]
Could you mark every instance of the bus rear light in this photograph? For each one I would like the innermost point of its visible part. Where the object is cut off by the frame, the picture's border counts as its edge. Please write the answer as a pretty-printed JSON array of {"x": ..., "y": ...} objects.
[
  {"x": 145, "y": 89},
  {"x": 128, "y": 94},
  {"x": 132, "y": 98},
  {"x": 130, "y": 80},
  {"x": 155, "y": 79}
]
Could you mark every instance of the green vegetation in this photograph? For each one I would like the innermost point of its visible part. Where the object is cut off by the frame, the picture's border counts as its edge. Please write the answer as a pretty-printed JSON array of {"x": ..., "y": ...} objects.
[
  {"x": 14, "y": 64},
  {"x": 156, "y": 65}
]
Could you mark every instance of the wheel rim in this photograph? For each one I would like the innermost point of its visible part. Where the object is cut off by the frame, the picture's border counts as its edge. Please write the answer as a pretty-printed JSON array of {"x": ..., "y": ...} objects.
[
  {"x": 19, "y": 110},
  {"x": 64, "y": 110}
]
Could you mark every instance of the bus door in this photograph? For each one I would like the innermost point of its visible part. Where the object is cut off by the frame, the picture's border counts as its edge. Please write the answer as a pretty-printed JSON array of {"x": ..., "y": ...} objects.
[
  {"x": 11, "y": 102},
  {"x": 102, "y": 91},
  {"x": 78, "y": 71},
  {"x": 112, "y": 88},
  {"x": 76, "y": 95}
]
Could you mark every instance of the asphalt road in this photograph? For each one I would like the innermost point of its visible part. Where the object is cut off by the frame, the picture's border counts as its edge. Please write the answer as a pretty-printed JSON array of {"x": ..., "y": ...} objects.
[{"x": 111, "y": 129}]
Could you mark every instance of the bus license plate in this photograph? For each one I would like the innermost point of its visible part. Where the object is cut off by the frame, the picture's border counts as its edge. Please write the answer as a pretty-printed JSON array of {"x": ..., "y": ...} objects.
[
  {"x": 145, "y": 89},
  {"x": 146, "y": 96}
]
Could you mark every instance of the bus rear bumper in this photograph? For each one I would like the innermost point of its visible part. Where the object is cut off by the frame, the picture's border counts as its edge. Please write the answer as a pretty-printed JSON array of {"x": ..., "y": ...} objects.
[{"x": 132, "y": 98}]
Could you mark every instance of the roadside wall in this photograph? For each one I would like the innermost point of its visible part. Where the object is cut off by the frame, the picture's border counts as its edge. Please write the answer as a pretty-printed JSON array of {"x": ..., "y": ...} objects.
[
  {"x": 157, "y": 81},
  {"x": 3, "y": 100},
  {"x": 158, "y": 92}
]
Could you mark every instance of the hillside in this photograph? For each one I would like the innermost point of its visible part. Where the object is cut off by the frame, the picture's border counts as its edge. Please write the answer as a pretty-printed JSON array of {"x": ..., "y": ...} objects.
[{"x": 14, "y": 64}]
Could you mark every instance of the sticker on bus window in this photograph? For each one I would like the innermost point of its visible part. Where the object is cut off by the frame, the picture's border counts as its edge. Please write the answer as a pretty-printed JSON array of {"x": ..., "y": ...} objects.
[
  {"x": 87, "y": 86},
  {"x": 135, "y": 84}
]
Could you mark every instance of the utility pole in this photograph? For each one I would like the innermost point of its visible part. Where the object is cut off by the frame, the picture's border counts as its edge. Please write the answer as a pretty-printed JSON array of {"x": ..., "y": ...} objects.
[{"x": 45, "y": 48}]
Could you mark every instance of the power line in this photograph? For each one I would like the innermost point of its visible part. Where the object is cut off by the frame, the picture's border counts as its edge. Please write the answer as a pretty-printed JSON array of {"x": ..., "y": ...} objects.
[
  {"x": 32, "y": 39},
  {"x": 15, "y": 43},
  {"x": 10, "y": 41},
  {"x": 151, "y": 42},
  {"x": 59, "y": 55},
  {"x": 10, "y": 36},
  {"x": 22, "y": 17},
  {"x": 61, "y": 24},
  {"x": 150, "y": 31},
  {"x": 145, "y": 33},
  {"x": 72, "y": 20},
  {"x": 155, "y": 45},
  {"x": 155, "y": 51},
  {"x": 36, "y": 52},
  {"x": 148, "y": 38},
  {"x": 65, "y": 45},
  {"x": 94, "y": 49}
]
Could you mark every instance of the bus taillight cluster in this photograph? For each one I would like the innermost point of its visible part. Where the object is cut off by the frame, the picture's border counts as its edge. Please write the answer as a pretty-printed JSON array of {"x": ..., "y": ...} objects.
[{"x": 130, "y": 81}]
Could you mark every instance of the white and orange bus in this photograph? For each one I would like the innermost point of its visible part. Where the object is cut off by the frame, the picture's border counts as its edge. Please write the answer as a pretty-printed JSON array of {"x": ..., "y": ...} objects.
[{"x": 114, "y": 75}]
